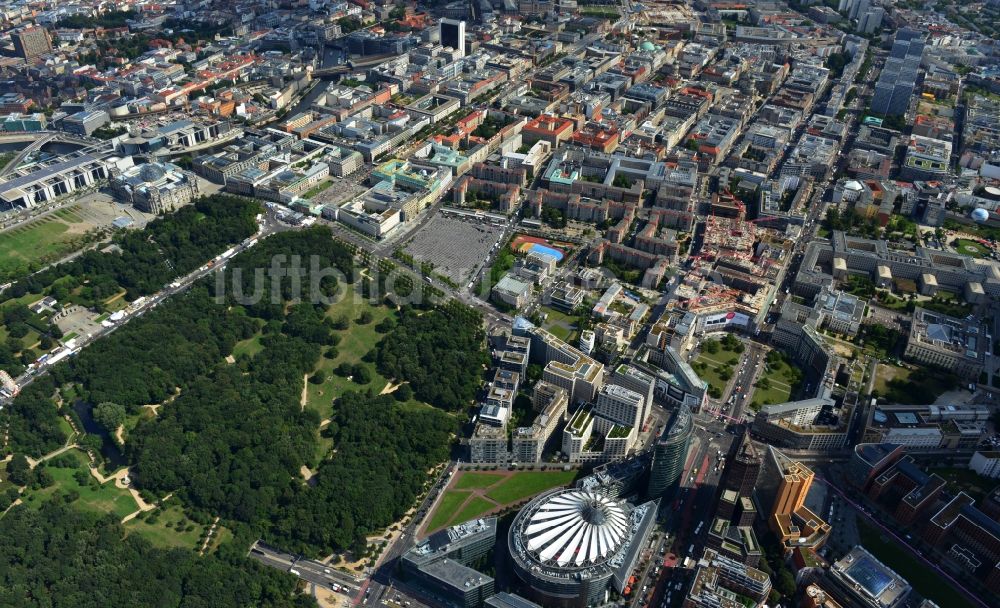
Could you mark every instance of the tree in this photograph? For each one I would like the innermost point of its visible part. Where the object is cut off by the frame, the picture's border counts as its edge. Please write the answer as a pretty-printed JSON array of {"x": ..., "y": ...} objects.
[
  {"x": 361, "y": 374},
  {"x": 109, "y": 415},
  {"x": 18, "y": 470},
  {"x": 710, "y": 346},
  {"x": 318, "y": 378},
  {"x": 403, "y": 393},
  {"x": 439, "y": 352},
  {"x": 365, "y": 318}
]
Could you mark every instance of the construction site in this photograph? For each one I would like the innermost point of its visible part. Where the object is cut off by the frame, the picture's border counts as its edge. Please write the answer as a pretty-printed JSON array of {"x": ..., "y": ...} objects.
[{"x": 735, "y": 265}]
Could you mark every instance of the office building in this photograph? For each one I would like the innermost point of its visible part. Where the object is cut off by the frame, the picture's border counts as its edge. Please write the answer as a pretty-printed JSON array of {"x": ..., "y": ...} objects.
[
  {"x": 509, "y": 600},
  {"x": 570, "y": 546},
  {"x": 670, "y": 453},
  {"x": 742, "y": 466},
  {"x": 858, "y": 580},
  {"x": 986, "y": 463},
  {"x": 620, "y": 405},
  {"x": 899, "y": 75},
  {"x": 906, "y": 491},
  {"x": 440, "y": 563},
  {"x": 869, "y": 460},
  {"x": 38, "y": 183},
  {"x": 31, "y": 41},
  {"x": 718, "y": 581},
  {"x": 958, "y": 345},
  {"x": 528, "y": 442},
  {"x": 780, "y": 495},
  {"x": 453, "y": 35},
  {"x": 636, "y": 380},
  {"x": 86, "y": 122},
  {"x": 968, "y": 539},
  {"x": 564, "y": 365}
]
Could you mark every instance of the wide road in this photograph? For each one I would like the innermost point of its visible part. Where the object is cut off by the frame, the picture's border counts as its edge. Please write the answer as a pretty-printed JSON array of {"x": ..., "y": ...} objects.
[{"x": 306, "y": 569}]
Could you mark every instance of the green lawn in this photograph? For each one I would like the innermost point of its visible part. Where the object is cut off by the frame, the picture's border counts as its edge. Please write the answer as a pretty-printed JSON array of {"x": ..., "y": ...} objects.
[
  {"x": 473, "y": 509},
  {"x": 919, "y": 386},
  {"x": 706, "y": 364},
  {"x": 776, "y": 382},
  {"x": 970, "y": 248},
  {"x": 39, "y": 241},
  {"x": 446, "y": 508},
  {"x": 355, "y": 342},
  {"x": 103, "y": 498},
  {"x": 163, "y": 531},
  {"x": 323, "y": 185},
  {"x": 468, "y": 480},
  {"x": 562, "y": 325},
  {"x": 924, "y": 580},
  {"x": 249, "y": 347},
  {"x": 777, "y": 393},
  {"x": 528, "y": 483}
]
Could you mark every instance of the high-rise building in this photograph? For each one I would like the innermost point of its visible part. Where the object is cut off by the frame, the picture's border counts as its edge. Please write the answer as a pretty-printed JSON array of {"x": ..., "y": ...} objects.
[
  {"x": 742, "y": 467},
  {"x": 31, "y": 41},
  {"x": 780, "y": 494},
  {"x": 620, "y": 405},
  {"x": 453, "y": 35},
  {"x": 783, "y": 485},
  {"x": 899, "y": 75},
  {"x": 669, "y": 453}
]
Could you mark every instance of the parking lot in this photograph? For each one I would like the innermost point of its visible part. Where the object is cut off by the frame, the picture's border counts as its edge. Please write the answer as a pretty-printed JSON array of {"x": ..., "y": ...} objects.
[{"x": 454, "y": 246}]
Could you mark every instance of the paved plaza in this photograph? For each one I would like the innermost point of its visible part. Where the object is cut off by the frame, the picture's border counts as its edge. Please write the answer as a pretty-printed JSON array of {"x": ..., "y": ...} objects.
[{"x": 453, "y": 245}]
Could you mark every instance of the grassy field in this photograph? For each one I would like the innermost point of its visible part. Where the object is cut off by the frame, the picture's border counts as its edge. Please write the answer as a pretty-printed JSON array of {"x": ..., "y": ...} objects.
[
  {"x": 449, "y": 504},
  {"x": 781, "y": 380},
  {"x": 970, "y": 248},
  {"x": 93, "y": 497},
  {"x": 323, "y": 185},
  {"x": 160, "y": 528},
  {"x": 249, "y": 347},
  {"x": 500, "y": 491},
  {"x": 924, "y": 580},
  {"x": 708, "y": 365},
  {"x": 562, "y": 325},
  {"x": 473, "y": 509},
  {"x": 39, "y": 241},
  {"x": 528, "y": 483},
  {"x": 902, "y": 385},
  {"x": 468, "y": 480},
  {"x": 355, "y": 342}
]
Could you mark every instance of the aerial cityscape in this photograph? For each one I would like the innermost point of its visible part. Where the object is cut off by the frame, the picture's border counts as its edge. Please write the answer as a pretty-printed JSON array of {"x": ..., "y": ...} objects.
[{"x": 500, "y": 303}]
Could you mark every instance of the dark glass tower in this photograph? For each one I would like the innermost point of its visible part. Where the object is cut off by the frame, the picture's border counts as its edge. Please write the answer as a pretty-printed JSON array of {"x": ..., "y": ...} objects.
[{"x": 669, "y": 453}]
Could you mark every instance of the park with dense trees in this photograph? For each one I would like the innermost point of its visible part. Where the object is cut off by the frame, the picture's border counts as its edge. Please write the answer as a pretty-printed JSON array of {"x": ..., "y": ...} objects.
[
  {"x": 59, "y": 557},
  {"x": 230, "y": 437},
  {"x": 439, "y": 354}
]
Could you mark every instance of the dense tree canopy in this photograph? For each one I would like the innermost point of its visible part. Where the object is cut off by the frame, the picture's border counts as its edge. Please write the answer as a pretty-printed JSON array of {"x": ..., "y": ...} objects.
[
  {"x": 58, "y": 557},
  {"x": 440, "y": 354},
  {"x": 234, "y": 439},
  {"x": 382, "y": 455}
]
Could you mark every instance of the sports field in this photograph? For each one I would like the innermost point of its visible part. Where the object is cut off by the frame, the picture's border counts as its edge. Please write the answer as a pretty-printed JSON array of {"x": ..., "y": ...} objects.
[
  {"x": 472, "y": 494},
  {"x": 522, "y": 243}
]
